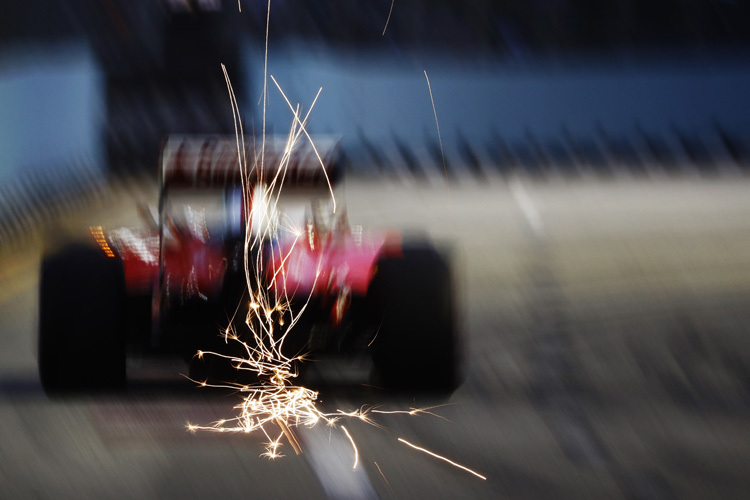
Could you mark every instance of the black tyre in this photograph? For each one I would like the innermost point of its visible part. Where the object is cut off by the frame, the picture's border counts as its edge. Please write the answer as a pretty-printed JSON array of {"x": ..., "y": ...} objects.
[
  {"x": 81, "y": 321},
  {"x": 416, "y": 346}
]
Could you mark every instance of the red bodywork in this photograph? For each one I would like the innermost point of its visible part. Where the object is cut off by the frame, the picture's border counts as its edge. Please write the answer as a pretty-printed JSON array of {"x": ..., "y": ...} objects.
[
  {"x": 191, "y": 266},
  {"x": 343, "y": 261},
  {"x": 334, "y": 265},
  {"x": 139, "y": 252}
]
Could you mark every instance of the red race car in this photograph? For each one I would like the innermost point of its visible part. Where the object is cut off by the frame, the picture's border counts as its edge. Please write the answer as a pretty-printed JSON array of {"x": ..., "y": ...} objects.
[{"x": 172, "y": 286}]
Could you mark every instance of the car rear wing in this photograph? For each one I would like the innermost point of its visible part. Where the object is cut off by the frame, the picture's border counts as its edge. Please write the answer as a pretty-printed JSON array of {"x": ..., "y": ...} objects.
[{"x": 214, "y": 161}]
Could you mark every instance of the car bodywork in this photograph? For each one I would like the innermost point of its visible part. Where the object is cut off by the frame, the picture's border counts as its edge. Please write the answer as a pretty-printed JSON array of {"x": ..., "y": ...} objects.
[{"x": 187, "y": 271}]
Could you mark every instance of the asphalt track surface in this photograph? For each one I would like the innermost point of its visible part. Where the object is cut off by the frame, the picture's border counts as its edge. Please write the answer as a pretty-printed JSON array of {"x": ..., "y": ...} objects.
[{"x": 607, "y": 355}]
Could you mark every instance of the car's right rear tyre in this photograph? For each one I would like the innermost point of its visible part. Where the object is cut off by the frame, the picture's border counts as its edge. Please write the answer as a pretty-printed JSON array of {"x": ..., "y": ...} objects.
[{"x": 416, "y": 347}]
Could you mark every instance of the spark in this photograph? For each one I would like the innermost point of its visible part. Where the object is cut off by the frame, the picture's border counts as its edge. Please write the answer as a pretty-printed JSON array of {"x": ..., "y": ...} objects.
[
  {"x": 377, "y": 333},
  {"x": 389, "y": 17},
  {"x": 265, "y": 87},
  {"x": 442, "y": 458},
  {"x": 289, "y": 434},
  {"x": 302, "y": 127},
  {"x": 384, "y": 478},
  {"x": 356, "y": 452},
  {"x": 437, "y": 125}
]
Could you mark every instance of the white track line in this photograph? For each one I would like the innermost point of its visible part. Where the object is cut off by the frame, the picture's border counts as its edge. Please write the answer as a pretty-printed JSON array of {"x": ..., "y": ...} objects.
[
  {"x": 329, "y": 452},
  {"x": 527, "y": 206}
]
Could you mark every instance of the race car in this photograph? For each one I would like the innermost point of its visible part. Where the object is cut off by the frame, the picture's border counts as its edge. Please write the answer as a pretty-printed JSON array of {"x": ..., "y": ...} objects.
[{"x": 172, "y": 286}]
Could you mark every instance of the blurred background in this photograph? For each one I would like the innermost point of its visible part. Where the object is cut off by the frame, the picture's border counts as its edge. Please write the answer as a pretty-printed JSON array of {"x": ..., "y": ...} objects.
[
  {"x": 90, "y": 89},
  {"x": 589, "y": 165}
]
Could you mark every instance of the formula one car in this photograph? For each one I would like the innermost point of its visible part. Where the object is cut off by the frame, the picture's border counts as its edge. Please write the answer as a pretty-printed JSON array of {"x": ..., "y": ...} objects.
[{"x": 171, "y": 287}]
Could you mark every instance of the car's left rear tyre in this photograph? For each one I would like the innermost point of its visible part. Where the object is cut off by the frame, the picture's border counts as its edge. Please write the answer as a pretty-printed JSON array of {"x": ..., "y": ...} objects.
[{"x": 82, "y": 301}]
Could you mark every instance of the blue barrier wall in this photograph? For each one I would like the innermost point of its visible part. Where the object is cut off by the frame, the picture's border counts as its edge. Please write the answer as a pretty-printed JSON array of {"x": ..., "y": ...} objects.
[
  {"x": 386, "y": 96},
  {"x": 52, "y": 109}
]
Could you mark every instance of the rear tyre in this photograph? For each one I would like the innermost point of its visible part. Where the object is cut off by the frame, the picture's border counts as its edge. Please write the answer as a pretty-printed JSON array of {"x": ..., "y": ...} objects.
[
  {"x": 416, "y": 346},
  {"x": 81, "y": 321}
]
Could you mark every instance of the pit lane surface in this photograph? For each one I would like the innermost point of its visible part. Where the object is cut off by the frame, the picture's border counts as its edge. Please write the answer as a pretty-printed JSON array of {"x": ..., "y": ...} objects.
[{"x": 607, "y": 354}]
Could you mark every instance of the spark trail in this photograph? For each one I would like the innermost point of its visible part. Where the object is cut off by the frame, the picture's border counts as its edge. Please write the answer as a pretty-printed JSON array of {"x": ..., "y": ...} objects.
[
  {"x": 390, "y": 11},
  {"x": 274, "y": 405},
  {"x": 440, "y": 457},
  {"x": 437, "y": 125}
]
